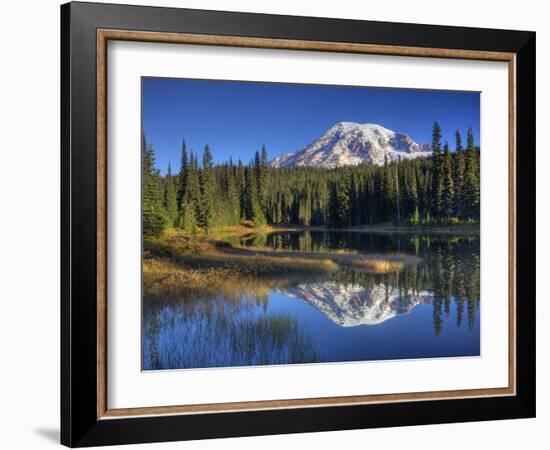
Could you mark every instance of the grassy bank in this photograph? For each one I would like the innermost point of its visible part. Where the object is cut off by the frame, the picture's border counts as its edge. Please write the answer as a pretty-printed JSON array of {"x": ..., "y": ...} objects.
[
  {"x": 202, "y": 266},
  {"x": 373, "y": 262},
  {"x": 180, "y": 265}
]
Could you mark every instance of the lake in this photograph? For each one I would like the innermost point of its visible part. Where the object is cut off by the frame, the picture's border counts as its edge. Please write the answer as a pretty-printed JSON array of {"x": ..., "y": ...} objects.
[{"x": 426, "y": 310}]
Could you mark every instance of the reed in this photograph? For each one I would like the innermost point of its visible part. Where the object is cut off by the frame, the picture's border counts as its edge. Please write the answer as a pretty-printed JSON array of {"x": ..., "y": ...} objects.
[{"x": 215, "y": 335}]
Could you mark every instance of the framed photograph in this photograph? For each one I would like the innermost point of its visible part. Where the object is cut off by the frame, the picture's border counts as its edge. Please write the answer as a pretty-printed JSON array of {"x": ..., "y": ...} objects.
[{"x": 276, "y": 224}]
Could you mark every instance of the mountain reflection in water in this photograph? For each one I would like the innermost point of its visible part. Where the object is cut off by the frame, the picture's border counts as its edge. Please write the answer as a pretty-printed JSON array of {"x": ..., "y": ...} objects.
[{"x": 353, "y": 305}]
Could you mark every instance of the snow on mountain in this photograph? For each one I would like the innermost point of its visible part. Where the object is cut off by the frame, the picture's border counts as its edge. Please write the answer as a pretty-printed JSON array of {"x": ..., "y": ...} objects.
[
  {"x": 352, "y": 305},
  {"x": 349, "y": 143}
]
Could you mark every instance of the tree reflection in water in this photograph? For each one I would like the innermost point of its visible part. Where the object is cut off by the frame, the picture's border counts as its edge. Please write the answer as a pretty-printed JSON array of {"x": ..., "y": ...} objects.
[{"x": 189, "y": 332}]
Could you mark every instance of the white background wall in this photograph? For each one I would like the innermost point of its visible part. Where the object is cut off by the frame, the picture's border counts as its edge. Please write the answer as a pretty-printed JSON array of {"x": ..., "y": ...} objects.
[{"x": 29, "y": 223}]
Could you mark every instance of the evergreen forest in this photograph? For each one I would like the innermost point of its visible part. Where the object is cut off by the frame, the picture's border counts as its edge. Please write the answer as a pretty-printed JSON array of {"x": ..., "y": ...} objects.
[{"x": 200, "y": 196}]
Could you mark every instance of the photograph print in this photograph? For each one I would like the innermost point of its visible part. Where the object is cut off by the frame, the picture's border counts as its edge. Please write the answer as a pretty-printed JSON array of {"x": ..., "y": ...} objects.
[{"x": 299, "y": 224}]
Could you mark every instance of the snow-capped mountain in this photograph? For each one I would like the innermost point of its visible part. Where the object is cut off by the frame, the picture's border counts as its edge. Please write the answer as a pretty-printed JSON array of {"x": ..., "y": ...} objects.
[
  {"x": 349, "y": 143},
  {"x": 352, "y": 305}
]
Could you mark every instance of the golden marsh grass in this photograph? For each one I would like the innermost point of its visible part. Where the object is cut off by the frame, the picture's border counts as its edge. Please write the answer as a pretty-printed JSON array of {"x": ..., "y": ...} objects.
[{"x": 179, "y": 265}]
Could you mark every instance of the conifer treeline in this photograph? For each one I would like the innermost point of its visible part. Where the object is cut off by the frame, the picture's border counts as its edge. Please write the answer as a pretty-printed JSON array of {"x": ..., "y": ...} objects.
[{"x": 441, "y": 189}]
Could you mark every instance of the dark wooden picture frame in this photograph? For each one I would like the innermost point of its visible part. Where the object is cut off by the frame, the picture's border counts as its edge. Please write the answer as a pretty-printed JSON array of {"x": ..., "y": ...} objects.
[{"x": 85, "y": 30}]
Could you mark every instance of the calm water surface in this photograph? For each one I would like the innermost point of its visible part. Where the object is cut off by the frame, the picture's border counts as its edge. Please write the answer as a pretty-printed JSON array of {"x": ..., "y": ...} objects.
[{"x": 423, "y": 311}]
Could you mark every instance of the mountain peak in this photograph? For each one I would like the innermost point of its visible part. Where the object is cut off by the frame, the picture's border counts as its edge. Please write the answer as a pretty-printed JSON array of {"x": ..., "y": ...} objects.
[
  {"x": 348, "y": 125},
  {"x": 351, "y": 143}
]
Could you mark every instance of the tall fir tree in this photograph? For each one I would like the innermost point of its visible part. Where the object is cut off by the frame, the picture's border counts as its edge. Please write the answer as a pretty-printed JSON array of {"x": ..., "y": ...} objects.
[
  {"x": 233, "y": 195},
  {"x": 240, "y": 181},
  {"x": 154, "y": 220},
  {"x": 263, "y": 159},
  {"x": 459, "y": 169},
  {"x": 190, "y": 210},
  {"x": 253, "y": 209},
  {"x": 341, "y": 202},
  {"x": 206, "y": 216},
  {"x": 262, "y": 173},
  {"x": 471, "y": 179},
  {"x": 413, "y": 205},
  {"x": 257, "y": 164},
  {"x": 448, "y": 183},
  {"x": 170, "y": 200},
  {"x": 437, "y": 184},
  {"x": 182, "y": 175},
  {"x": 389, "y": 192},
  {"x": 458, "y": 142}
]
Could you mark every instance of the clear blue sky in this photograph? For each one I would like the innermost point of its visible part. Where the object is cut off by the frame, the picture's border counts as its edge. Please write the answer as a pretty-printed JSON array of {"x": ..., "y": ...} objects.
[{"x": 235, "y": 118}]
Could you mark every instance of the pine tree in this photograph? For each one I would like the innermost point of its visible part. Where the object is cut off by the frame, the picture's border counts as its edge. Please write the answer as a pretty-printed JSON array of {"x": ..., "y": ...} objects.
[
  {"x": 182, "y": 176},
  {"x": 341, "y": 202},
  {"x": 262, "y": 172},
  {"x": 240, "y": 182},
  {"x": 415, "y": 218},
  {"x": 397, "y": 194},
  {"x": 321, "y": 204},
  {"x": 170, "y": 201},
  {"x": 389, "y": 192},
  {"x": 355, "y": 199},
  {"x": 459, "y": 169},
  {"x": 233, "y": 198},
  {"x": 253, "y": 209},
  {"x": 206, "y": 214},
  {"x": 448, "y": 184},
  {"x": 413, "y": 197},
  {"x": 471, "y": 179},
  {"x": 437, "y": 184},
  {"x": 304, "y": 210},
  {"x": 191, "y": 201},
  {"x": 458, "y": 140},
  {"x": 264, "y": 161},
  {"x": 154, "y": 219}
]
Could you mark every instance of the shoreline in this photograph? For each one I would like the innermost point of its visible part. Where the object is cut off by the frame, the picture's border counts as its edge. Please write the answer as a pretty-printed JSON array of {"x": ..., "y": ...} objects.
[
  {"x": 462, "y": 229},
  {"x": 235, "y": 231}
]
